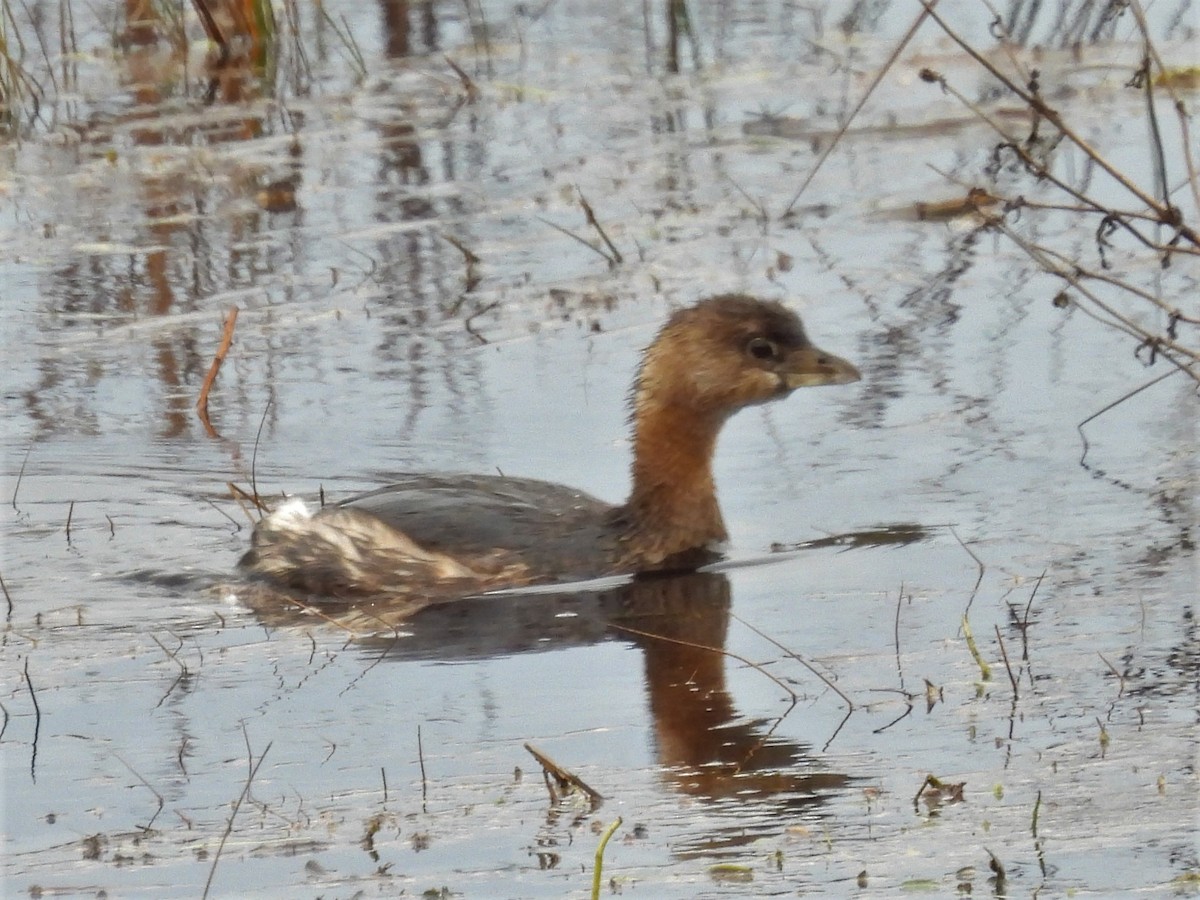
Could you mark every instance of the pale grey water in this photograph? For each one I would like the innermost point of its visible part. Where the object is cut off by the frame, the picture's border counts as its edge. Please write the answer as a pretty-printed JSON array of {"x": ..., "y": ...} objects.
[{"x": 128, "y": 230}]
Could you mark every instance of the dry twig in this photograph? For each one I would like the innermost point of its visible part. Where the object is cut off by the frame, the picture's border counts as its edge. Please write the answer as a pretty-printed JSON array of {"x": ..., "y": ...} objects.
[
  {"x": 222, "y": 350},
  {"x": 564, "y": 779},
  {"x": 233, "y": 814}
]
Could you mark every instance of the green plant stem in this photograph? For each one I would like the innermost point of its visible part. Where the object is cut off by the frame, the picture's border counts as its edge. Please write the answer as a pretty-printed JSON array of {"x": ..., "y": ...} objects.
[{"x": 608, "y": 833}]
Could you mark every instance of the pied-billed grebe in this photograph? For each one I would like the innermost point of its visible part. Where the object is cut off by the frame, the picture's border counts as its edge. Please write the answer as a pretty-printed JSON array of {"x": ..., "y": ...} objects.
[{"x": 465, "y": 533}]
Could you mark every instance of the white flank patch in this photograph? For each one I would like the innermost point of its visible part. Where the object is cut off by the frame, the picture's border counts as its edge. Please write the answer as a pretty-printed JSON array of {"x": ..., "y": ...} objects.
[{"x": 293, "y": 515}]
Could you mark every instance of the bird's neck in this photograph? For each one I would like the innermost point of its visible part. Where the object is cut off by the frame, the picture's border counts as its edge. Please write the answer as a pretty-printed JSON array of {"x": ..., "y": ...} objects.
[{"x": 672, "y": 507}]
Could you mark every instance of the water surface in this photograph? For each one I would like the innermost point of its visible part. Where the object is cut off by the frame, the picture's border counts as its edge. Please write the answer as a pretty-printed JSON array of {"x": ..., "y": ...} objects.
[{"x": 329, "y": 204}]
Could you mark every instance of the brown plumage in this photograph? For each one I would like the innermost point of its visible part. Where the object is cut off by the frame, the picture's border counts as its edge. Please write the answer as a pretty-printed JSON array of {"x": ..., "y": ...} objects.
[{"x": 452, "y": 535}]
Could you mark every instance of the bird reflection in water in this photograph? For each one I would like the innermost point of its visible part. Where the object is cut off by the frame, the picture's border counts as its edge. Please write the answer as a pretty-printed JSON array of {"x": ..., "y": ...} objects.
[{"x": 705, "y": 749}]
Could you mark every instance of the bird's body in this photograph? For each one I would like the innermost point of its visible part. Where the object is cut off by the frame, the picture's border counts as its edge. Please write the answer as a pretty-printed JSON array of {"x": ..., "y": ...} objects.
[{"x": 466, "y": 533}]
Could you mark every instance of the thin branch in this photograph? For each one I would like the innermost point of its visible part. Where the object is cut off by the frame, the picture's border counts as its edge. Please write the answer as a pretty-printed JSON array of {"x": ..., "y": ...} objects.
[
  {"x": 1115, "y": 403},
  {"x": 883, "y": 70},
  {"x": 7, "y": 596},
  {"x": 421, "y": 760},
  {"x": 37, "y": 723},
  {"x": 236, "y": 524},
  {"x": 254, "y": 458},
  {"x": 1025, "y": 618},
  {"x": 978, "y": 563},
  {"x": 795, "y": 698},
  {"x": 597, "y": 250},
  {"x": 469, "y": 87},
  {"x": 826, "y": 681},
  {"x": 720, "y": 650},
  {"x": 21, "y": 475},
  {"x": 1167, "y": 215},
  {"x": 798, "y": 658},
  {"x": 174, "y": 657},
  {"x": 1161, "y": 345},
  {"x": 1004, "y": 654},
  {"x": 1031, "y": 163},
  {"x": 595, "y": 223},
  {"x": 233, "y": 815},
  {"x": 1120, "y": 678},
  {"x": 896, "y": 639},
  {"x": 150, "y": 788}
]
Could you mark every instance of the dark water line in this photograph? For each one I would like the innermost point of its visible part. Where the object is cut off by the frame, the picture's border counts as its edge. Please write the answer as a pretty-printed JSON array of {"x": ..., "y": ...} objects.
[{"x": 37, "y": 723}]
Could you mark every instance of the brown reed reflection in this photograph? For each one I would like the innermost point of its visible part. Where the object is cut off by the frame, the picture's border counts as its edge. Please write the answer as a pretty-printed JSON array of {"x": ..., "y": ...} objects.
[
  {"x": 201, "y": 218},
  {"x": 161, "y": 215}
]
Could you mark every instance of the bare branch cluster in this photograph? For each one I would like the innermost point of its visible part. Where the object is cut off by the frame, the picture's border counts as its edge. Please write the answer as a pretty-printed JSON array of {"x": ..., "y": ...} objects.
[{"x": 1154, "y": 230}]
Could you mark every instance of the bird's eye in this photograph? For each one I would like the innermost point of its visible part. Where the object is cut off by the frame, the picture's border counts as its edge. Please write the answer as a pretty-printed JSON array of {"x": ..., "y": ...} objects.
[{"x": 761, "y": 348}]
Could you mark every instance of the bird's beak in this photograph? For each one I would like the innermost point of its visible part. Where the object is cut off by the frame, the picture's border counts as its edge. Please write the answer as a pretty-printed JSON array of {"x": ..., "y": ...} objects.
[{"x": 812, "y": 367}]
